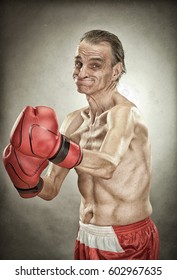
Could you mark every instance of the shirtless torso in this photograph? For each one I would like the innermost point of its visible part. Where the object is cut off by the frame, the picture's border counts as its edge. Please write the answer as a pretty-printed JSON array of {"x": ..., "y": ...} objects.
[
  {"x": 119, "y": 196},
  {"x": 114, "y": 175}
]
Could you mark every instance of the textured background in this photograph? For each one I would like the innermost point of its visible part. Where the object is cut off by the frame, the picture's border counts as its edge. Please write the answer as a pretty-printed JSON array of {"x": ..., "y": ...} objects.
[{"x": 38, "y": 42}]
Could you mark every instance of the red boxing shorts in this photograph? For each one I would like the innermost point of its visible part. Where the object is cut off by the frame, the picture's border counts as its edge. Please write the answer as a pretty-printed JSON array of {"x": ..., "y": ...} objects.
[{"x": 137, "y": 241}]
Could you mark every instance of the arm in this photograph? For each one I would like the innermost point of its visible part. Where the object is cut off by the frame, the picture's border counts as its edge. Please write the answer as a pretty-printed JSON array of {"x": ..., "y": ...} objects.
[
  {"x": 55, "y": 174},
  {"x": 34, "y": 141},
  {"x": 121, "y": 124},
  {"x": 53, "y": 181}
]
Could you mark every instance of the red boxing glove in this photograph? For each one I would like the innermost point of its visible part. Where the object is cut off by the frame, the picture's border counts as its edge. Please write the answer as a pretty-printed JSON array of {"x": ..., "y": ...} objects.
[
  {"x": 35, "y": 133},
  {"x": 24, "y": 171}
]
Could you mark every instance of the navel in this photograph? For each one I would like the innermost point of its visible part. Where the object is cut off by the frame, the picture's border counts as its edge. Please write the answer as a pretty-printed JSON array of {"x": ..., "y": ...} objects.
[{"x": 87, "y": 214}]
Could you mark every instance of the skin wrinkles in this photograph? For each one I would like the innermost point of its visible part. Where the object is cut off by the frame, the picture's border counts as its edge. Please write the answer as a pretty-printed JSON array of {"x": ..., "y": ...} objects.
[
  {"x": 115, "y": 173},
  {"x": 92, "y": 72}
]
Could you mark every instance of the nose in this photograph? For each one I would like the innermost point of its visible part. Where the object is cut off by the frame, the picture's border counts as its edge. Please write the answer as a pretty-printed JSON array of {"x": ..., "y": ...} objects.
[{"x": 83, "y": 72}]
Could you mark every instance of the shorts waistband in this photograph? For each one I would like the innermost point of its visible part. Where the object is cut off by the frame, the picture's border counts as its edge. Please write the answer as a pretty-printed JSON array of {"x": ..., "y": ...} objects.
[
  {"x": 96, "y": 230},
  {"x": 134, "y": 226},
  {"x": 99, "y": 237},
  {"x": 108, "y": 230}
]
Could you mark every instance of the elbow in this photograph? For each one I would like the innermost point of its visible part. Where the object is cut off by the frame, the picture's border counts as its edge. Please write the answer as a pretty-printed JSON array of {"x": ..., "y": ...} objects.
[
  {"x": 108, "y": 170},
  {"x": 47, "y": 196}
]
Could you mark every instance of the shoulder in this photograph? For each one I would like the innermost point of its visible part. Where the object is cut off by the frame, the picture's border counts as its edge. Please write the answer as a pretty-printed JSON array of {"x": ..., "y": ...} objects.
[
  {"x": 122, "y": 104},
  {"x": 72, "y": 121},
  {"x": 123, "y": 110},
  {"x": 125, "y": 113}
]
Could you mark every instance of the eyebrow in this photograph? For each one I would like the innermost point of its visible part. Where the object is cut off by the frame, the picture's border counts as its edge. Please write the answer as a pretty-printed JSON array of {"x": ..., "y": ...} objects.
[{"x": 91, "y": 59}]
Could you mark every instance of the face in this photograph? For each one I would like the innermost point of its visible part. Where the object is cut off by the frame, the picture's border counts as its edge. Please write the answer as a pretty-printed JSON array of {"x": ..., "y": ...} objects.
[{"x": 93, "y": 71}]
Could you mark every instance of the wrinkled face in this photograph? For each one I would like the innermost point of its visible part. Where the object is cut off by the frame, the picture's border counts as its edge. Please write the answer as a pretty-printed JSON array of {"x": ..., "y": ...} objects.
[{"x": 93, "y": 70}]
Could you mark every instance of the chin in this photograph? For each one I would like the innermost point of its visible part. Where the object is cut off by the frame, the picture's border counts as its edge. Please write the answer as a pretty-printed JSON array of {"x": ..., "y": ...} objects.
[
  {"x": 83, "y": 91},
  {"x": 80, "y": 90}
]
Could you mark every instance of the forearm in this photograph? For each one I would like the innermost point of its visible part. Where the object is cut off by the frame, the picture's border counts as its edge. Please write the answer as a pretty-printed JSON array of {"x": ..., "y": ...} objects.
[
  {"x": 48, "y": 191},
  {"x": 52, "y": 182},
  {"x": 98, "y": 164}
]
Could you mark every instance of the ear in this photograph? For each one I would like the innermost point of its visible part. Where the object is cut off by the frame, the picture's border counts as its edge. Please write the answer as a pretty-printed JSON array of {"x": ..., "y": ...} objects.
[{"x": 117, "y": 70}]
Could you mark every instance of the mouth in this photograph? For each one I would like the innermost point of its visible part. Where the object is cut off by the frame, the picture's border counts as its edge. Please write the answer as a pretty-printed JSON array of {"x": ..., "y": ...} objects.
[{"x": 83, "y": 82}]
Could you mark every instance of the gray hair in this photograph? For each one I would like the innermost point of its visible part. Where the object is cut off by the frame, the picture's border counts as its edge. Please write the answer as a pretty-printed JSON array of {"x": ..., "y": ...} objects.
[{"x": 98, "y": 36}]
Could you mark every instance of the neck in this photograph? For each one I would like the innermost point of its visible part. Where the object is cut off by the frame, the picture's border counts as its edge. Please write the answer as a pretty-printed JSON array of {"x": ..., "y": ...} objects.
[{"x": 101, "y": 102}]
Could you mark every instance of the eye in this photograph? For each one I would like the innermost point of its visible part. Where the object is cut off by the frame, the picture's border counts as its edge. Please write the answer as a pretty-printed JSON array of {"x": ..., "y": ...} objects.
[
  {"x": 95, "y": 66},
  {"x": 78, "y": 64}
]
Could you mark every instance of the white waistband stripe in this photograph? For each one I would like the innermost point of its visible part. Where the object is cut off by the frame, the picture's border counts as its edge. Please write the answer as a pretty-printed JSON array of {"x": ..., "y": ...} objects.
[{"x": 99, "y": 237}]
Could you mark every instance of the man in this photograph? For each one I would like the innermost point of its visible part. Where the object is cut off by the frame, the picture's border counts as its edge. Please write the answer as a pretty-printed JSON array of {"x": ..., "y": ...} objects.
[{"x": 108, "y": 145}]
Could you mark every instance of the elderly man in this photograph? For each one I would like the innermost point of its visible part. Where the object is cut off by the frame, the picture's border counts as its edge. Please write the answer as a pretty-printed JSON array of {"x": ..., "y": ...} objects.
[{"x": 107, "y": 144}]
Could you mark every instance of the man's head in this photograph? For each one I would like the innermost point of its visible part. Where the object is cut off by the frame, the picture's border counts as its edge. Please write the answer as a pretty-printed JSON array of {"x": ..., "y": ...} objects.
[
  {"x": 99, "y": 36},
  {"x": 99, "y": 62}
]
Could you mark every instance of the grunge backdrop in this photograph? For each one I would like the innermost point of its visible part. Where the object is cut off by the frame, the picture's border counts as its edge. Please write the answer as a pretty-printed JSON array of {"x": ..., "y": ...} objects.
[{"x": 38, "y": 42}]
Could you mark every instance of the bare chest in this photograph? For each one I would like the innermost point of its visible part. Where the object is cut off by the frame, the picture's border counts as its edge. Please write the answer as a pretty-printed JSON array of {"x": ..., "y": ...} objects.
[{"x": 91, "y": 136}]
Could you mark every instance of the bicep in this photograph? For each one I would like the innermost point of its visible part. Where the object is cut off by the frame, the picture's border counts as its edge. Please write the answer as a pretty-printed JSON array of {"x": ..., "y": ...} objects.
[
  {"x": 102, "y": 163},
  {"x": 120, "y": 133}
]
